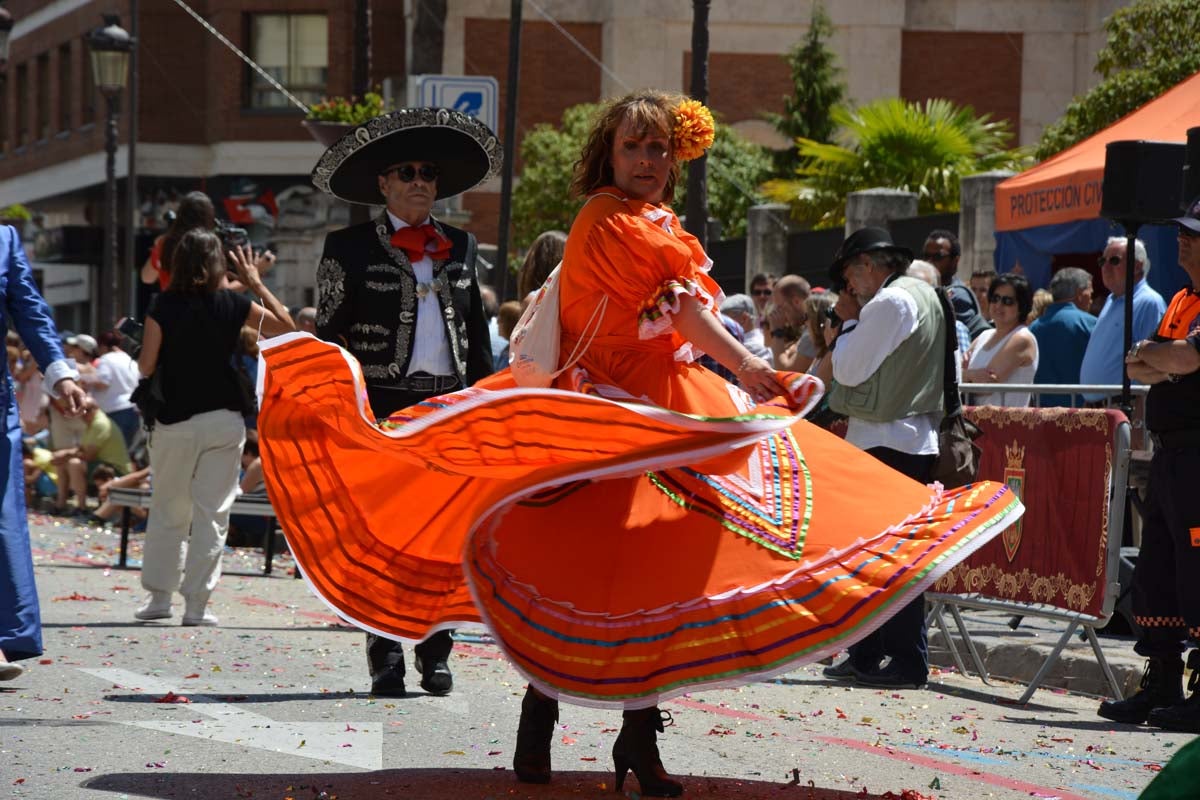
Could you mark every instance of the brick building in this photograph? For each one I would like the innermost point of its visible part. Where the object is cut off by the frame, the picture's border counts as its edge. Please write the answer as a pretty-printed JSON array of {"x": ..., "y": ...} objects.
[{"x": 206, "y": 121}]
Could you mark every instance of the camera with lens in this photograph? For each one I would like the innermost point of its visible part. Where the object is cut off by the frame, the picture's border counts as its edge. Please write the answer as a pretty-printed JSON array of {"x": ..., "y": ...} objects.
[
  {"x": 832, "y": 316},
  {"x": 231, "y": 235}
]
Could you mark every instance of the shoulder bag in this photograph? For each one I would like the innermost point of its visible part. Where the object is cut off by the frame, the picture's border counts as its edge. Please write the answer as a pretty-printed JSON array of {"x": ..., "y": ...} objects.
[{"x": 958, "y": 457}]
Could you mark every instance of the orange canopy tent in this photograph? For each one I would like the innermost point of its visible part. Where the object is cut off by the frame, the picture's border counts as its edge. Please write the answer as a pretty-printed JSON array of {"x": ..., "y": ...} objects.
[
  {"x": 1054, "y": 208},
  {"x": 1066, "y": 188}
]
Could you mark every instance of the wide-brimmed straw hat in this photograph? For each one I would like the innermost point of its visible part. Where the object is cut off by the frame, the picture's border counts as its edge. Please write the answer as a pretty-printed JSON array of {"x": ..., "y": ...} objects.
[{"x": 465, "y": 150}]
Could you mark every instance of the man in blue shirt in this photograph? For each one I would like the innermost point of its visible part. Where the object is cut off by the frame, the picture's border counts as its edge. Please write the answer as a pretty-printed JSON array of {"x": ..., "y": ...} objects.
[
  {"x": 1062, "y": 332},
  {"x": 1106, "y": 350}
]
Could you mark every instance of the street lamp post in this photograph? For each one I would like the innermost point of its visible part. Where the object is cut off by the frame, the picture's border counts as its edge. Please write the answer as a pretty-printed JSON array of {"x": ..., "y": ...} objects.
[{"x": 110, "y": 45}]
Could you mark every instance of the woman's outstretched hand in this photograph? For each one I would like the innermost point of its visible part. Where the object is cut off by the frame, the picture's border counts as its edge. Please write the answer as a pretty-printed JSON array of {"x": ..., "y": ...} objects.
[
  {"x": 249, "y": 266},
  {"x": 758, "y": 378}
]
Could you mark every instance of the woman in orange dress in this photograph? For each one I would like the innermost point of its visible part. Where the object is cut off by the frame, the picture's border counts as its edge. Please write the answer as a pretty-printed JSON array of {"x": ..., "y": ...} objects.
[{"x": 640, "y": 529}]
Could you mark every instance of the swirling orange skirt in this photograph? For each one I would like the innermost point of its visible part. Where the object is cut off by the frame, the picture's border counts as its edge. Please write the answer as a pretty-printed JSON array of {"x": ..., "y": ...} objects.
[{"x": 610, "y": 571}]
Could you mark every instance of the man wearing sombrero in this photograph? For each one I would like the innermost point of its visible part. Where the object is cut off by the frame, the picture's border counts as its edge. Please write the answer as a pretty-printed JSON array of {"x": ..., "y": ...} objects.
[
  {"x": 400, "y": 292},
  {"x": 888, "y": 379}
]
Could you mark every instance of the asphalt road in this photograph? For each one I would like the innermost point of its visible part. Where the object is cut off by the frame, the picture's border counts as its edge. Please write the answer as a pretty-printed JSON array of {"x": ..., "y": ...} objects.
[{"x": 272, "y": 704}]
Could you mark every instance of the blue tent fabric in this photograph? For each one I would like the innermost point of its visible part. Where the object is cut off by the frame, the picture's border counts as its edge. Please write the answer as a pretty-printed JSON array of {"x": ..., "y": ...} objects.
[{"x": 1034, "y": 249}]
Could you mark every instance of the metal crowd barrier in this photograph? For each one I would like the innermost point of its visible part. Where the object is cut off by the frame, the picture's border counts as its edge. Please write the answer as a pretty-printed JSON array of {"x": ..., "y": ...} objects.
[{"x": 996, "y": 584}]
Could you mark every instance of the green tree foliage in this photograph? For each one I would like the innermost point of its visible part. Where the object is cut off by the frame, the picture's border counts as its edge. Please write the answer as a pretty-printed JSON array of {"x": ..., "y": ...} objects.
[
  {"x": 808, "y": 111},
  {"x": 919, "y": 147},
  {"x": 542, "y": 199},
  {"x": 1151, "y": 47},
  {"x": 736, "y": 170}
]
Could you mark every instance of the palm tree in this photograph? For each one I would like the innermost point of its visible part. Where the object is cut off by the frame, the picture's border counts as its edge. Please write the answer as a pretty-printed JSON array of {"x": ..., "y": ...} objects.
[{"x": 919, "y": 147}]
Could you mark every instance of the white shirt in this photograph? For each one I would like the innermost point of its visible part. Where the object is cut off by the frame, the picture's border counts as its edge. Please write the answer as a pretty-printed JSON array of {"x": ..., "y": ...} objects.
[
  {"x": 883, "y": 324},
  {"x": 119, "y": 371},
  {"x": 431, "y": 348}
]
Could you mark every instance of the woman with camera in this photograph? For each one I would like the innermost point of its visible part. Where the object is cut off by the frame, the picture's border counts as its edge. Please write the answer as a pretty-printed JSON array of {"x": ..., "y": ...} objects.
[
  {"x": 195, "y": 213},
  {"x": 192, "y": 331}
]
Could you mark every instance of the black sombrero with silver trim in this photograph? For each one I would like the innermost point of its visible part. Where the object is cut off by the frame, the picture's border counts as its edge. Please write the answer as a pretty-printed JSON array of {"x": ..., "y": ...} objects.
[{"x": 466, "y": 152}]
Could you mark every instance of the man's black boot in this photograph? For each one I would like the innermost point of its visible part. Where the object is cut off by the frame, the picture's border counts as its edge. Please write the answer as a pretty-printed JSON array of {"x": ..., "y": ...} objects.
[{"x": 1162, "y": 686}]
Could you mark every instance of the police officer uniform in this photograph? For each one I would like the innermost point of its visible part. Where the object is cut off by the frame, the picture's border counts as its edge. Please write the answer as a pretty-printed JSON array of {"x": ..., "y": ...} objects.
[{"x": 1166, "y": 591}]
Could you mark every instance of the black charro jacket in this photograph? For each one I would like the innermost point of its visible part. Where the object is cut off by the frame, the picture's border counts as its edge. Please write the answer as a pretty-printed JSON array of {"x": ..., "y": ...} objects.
[{"x": 367, "y": 301}]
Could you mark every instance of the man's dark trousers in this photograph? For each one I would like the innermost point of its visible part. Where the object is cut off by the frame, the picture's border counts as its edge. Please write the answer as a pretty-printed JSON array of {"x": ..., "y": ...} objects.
[
  {"x": 383, "y": 653},
  {"x": 903, "y": 637}
]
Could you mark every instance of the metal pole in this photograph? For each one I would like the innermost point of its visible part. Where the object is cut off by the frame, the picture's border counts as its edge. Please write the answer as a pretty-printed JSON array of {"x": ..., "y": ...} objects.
[
  {"x": 106, "y": 312},
  {"x": 361, "y": 79},
  {"x": 362, "y": 47},
  {"x": 129, "y": 268},
  {"x": 510, "y": 138},
  {"x": 697, "y": 179}
]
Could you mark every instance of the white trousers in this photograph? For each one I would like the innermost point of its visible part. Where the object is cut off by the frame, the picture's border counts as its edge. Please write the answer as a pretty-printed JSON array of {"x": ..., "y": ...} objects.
[{"x": 194, "y": 467}]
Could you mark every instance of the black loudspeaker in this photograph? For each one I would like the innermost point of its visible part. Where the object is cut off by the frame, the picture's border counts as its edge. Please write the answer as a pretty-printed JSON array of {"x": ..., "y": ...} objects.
[
  {"x": 1191, "y": 170},
  {"x": 1141, "y": 181}
]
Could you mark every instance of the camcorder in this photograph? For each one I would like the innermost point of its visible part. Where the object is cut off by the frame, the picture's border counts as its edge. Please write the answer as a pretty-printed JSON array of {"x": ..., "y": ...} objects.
[{"x": 231, "y": 235}]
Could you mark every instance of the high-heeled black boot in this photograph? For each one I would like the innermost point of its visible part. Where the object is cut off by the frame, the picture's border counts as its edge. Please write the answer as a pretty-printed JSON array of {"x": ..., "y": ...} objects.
[
  {"x": 531, "y": 760},
  {"x": 637, "y": 749}
]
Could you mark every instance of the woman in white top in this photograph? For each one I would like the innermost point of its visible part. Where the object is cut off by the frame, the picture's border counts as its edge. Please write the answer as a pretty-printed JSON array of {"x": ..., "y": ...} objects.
[{"x": 1009, "y": 353}]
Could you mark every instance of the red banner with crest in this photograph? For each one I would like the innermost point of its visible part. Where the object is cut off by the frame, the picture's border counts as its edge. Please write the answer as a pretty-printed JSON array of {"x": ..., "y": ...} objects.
[{"x": 1059, "y": 461}]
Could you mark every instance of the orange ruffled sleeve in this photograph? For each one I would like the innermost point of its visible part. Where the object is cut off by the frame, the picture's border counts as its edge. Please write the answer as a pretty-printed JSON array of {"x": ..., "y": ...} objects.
[{"x": 645, "y": 262}]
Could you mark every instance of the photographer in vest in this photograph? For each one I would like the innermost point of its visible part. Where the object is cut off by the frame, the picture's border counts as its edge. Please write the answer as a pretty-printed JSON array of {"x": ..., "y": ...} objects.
[{"x": 888, "y": 364}]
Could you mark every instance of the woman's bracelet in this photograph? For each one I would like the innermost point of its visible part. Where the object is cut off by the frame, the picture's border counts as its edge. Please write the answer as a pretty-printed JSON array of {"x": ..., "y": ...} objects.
[{"x": 742, "y": 367}]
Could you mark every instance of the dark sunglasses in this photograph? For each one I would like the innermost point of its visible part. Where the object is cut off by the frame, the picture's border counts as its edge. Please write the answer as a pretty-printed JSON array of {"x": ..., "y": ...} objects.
[
  {"x": 406, "y": 172},
  {"x": 1002, "y": 299},
  {"x": 762, "y": 292},
  {"x": 936, "y": 256},
  {"x": 1111, "y": 261}
]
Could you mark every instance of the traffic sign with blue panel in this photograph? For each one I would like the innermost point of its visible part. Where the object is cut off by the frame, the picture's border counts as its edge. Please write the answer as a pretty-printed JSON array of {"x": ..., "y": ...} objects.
[{"x": 474, "y": 95}]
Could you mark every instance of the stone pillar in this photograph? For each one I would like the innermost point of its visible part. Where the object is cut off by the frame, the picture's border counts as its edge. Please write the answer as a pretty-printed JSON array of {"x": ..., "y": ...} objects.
[
  {"x": 875, "y": 207},
  {"x": 767, "y": 229},
  {"x": 977, "y": 221}
]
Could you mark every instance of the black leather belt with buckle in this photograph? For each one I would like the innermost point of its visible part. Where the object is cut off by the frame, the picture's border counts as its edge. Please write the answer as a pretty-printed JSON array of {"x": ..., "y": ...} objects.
[{"x": 424, "y": 382}]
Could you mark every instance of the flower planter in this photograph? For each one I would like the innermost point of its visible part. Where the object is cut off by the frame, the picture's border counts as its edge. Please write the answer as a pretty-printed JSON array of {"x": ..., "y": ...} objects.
[{"x": 327, "y": 132}]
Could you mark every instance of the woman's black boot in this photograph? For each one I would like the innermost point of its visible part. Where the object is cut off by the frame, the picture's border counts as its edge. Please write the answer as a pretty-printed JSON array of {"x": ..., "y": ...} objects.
[
  {"x": 637, "y": 750},
  {"x": 531, "y": 761}
]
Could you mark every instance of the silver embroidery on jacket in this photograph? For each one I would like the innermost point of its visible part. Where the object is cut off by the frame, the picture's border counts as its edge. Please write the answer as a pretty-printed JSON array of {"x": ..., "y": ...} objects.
[
  {"x": 358, "y": 344},
  {"x": 391, "y": 269},
  {"x": 364, "y": 327},
  {"x": 331, "y": 289},
  {"x": 408, "y": 297}
]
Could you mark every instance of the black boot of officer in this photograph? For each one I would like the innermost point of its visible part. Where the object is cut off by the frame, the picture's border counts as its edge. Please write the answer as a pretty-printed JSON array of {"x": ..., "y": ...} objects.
[
  {"x": 1183, "y": 716},
  {"x": 1162, "y": 684}
]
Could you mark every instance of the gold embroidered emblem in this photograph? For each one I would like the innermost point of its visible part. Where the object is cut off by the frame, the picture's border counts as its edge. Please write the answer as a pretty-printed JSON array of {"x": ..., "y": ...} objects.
[{"x": 1014, "y": 478}]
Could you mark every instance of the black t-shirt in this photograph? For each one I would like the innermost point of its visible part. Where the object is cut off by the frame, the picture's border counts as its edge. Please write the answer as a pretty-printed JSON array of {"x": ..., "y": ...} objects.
[{"x": 200, "y": 335}]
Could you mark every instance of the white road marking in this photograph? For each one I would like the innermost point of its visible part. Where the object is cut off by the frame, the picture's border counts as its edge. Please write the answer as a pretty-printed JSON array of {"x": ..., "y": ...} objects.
[{"x": 355, "y": 744}]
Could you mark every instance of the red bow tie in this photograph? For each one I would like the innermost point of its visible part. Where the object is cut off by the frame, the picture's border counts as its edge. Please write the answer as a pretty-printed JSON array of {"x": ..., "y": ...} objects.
[{"x": 413, "y": 240}]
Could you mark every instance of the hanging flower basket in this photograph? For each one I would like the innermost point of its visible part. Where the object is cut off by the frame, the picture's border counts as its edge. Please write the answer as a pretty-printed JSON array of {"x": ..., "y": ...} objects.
[
  {"x": 334, "y": 117},
  {"x": 327, "y": 132}
]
